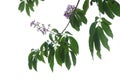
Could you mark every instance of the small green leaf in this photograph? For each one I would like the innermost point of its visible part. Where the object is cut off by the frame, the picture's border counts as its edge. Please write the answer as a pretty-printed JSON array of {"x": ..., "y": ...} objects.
[
  {"x": 44, "y": 49},
  {"x": 73, "y": 58},
  {"x": 103, "y": 38},
  {"x": 50, "y": 37},
  {"x": 35, "y": 63},
  {"x": 107, "y": 29},
  {"x": 40, "y": 57},
  {"x": 30, "y": 59},
  {"x": 67, "y": 61},
  {"x": 115, "y": 7},
  {"x": 85, "y": 6},
  {"x": 99, "y": 54},
  {"x": 27, "y": 10},
  {"x": 67, "y": 32},
  {"x": 55, "y": 30},
  {"x": 52, "y": 64},
  {"x": 106, "y": 21},
  {"x": 21, "y": 6},
  {"x": 74, "y": 45}
]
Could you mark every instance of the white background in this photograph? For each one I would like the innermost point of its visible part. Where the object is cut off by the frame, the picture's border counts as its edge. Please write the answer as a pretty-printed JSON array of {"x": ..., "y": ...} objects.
[{"x": 17, "y": 38}]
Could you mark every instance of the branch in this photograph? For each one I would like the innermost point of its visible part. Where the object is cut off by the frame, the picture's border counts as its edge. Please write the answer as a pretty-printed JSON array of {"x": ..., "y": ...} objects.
[{"x": 72, "y": 14}]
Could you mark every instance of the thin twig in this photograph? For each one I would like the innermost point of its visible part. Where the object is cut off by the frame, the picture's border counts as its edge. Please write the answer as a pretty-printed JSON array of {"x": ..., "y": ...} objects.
[{"x": 72, "y": 14}]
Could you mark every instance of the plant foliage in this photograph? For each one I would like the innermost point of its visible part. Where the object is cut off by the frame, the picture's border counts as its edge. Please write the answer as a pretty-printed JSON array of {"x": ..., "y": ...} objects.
[{"x": 63, "y": 47}]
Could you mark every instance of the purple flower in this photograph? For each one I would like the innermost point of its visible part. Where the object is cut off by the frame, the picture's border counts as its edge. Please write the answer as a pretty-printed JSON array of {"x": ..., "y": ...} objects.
[
  {"x": 40, "y": 27},
  {"x": 32, "y": 23},
  {"x": 69, "y": 10}
]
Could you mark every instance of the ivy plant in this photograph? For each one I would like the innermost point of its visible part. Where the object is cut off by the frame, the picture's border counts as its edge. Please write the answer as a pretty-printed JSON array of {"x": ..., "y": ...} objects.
[{"x": 62, "y": 47}]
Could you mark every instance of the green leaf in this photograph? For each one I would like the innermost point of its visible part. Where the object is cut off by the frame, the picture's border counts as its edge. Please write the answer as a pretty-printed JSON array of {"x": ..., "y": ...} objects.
[
  {"x": 74, "y": 45},
  {"x": 92, "y": 28},
  {"x": 103, "y": 38},
  {"x": 67, "y": 61},
  {"x": 27, "y": 10},
  {"x": 30, "y": 59},
  {"x": 62, "y": 53},
  {"x": 67, "y": 32},
  {"x": 78, "y": 18},
  {"x": 91, "y": 37},
  {"x": 97, "y": 43},
  {"x": 81, "y": 16},
  {"x": 55, "y": 30},
  {"x": 115, "y": 7},
  {"x": 44, "y": 49},
  {"x": 107, "y": 10},
  {"x": 58, "y": 56},
  {"x": 35, "y": 63},
  {"x": 91, "y": 45},
  {"x": 40, "y": 57},
  {"x": 73, "y": 58},
  {"x": 21, "y": 6},
  {"x": 42, "y": 46},
  {"x": 107, "y": 29},
  {"x": 84, "y": 19},
  {"x": 51, "y": 57},
  {"x": 50, "y": 37},
  {"x": 64, "y": 44},
  {"x": 96, "y": 40},
  {"x": 99, "y": 54},
  {"x": 75, "y": 23},
  {"x": 106, "y": 21},
  {"x": 85, "y": 6}
]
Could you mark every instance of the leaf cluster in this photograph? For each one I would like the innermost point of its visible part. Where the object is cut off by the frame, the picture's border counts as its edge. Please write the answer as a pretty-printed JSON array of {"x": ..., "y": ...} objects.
[
  {"x": 62, "y": 47},
  {"x": 108, "y": 7},
  {"x": 99, "y": 31},
  {"x": 28, "y": 5}
]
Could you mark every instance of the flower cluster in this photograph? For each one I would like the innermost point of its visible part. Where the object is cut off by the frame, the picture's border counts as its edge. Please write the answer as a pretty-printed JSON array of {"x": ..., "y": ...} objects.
[
  {"x": 69, "y": 10},
  {"x": 40, "y": 27}
]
